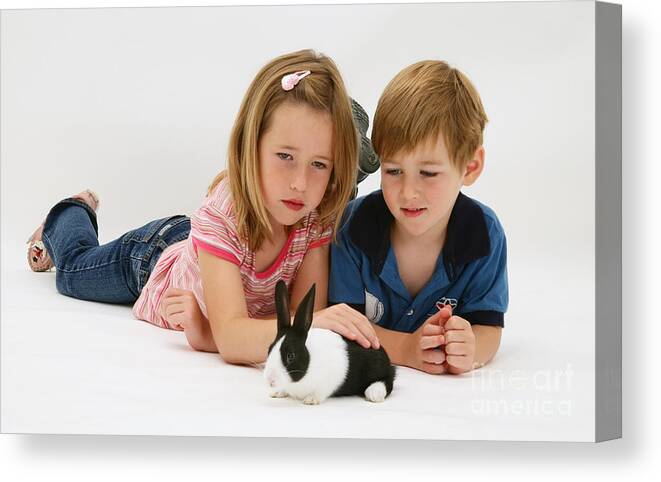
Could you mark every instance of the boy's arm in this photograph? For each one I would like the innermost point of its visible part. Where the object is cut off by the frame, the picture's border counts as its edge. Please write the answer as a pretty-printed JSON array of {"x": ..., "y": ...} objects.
[
  {"x": 482, "y": 314},
  {"x": 487, "y": 341},
  {"x": 394, "y": 342},
  {"x": 418, "y": 349}
]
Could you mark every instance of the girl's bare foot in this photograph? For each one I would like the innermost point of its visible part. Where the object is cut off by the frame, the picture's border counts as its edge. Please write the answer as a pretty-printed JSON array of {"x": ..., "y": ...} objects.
[{"x": 38, "y": 257}]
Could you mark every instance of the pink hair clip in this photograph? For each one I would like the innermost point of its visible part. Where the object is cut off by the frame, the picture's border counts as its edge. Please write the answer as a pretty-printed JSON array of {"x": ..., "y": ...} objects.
[{"x": 290, "y": 80}]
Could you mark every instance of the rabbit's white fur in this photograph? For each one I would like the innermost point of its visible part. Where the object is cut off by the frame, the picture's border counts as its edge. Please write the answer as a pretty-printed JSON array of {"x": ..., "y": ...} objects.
[
  {"x": 376, "y": 392},
  {"x": 329, "y": 362}
]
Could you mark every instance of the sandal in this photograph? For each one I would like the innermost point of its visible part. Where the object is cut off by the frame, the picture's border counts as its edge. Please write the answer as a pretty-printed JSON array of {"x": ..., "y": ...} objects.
[{"x": 38, "y": 258}]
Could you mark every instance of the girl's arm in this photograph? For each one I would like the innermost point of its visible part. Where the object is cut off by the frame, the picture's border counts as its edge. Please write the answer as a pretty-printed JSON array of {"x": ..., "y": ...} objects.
[
  {"x": 313, "y": 270},
  {"x": 244, "y": 340},
  {"x": 239, "y": 338}
]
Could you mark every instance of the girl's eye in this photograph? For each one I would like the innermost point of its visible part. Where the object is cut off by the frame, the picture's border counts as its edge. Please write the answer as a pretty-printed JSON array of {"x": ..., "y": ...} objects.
[
  {"x": 319, "y": 165},
  {"x": 393, "y": 172},
  {"x": 284, "y": 156},
  {"x": 428, "y": 174},
  {"x": 290, "y": 358}
]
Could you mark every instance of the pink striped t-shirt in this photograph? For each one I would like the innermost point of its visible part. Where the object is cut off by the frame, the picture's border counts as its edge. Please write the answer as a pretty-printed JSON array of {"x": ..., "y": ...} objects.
[{"x": 214, "y": 229}]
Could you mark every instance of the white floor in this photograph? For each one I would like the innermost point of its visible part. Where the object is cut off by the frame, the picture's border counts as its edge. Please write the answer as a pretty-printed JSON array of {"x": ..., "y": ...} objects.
[{"x": 71, "y": 366}]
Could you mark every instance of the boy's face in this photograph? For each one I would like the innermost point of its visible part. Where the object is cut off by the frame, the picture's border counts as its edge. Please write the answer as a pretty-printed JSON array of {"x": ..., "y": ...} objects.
[{"x": 420, "y": 187}]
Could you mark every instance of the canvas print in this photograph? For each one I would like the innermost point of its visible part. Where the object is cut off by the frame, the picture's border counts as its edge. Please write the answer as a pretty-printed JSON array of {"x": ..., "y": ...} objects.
[{"x": 280, "y": 222}]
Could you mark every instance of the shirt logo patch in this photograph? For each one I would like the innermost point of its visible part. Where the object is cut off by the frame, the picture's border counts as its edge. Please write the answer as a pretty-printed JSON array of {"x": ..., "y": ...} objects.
[
  {"x": 373, "y": 307},
  {"x": 446, "y": 301}
]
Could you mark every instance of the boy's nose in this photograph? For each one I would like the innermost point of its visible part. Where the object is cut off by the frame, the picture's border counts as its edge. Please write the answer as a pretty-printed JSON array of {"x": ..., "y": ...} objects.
[{"x": 409, "y": 190}]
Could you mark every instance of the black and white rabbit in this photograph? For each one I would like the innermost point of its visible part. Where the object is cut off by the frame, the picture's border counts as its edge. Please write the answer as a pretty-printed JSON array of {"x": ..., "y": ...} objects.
[{"x": 314, "y": 364}]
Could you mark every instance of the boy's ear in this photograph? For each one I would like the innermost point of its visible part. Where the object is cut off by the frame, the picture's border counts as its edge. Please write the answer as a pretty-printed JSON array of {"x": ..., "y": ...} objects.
[{"x": 474, "y": 167}]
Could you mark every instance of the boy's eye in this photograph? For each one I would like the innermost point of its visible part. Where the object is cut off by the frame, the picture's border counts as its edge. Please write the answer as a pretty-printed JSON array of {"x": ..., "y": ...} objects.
[
  {"x": 393, "y": 172},
  {"x": 284, "y": 156},
  {"x": 428, "y": 174}
]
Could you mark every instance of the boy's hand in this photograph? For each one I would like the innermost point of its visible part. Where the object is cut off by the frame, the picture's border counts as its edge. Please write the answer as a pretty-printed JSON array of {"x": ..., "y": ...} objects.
[
  {"x": 180, "y": 308},
  {"x": 349, "y": 323},
  {"x": 423, "y": 351},
  {"x": 459, "y": 345}
]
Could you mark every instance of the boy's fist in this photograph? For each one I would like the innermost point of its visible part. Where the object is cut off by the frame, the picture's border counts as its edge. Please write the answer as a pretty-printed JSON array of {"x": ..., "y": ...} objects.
[
  {"x": 445, "y": 344},
  {"x": 459, "y": 345},
  {"x": 424, "y": 350}
]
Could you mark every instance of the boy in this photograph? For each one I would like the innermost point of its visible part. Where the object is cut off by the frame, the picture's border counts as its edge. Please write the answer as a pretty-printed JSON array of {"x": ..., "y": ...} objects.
[{"x": 423, "y": 262}]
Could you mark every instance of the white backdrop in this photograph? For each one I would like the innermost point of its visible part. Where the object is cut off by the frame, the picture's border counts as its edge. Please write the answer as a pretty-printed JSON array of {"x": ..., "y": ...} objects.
[
  {"x": 138, "y": 103},
  {"x": 636, "y": 204}
]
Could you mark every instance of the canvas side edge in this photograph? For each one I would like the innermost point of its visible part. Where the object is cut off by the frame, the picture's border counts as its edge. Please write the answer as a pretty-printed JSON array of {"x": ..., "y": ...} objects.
[{"x": 608, "y": 221}]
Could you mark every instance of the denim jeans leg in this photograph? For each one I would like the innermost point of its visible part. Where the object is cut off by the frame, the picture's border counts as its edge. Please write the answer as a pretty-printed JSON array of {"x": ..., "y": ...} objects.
[
  {"x": 114, "y": 272},
  {"x": 145, "y": 245},
  {"x": 85, "y": 270}
]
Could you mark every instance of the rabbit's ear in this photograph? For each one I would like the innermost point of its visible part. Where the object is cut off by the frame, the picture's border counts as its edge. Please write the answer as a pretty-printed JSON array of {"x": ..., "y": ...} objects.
[
  {"x": 303, "y": 317},
  {"x": 282, "y": 306}
]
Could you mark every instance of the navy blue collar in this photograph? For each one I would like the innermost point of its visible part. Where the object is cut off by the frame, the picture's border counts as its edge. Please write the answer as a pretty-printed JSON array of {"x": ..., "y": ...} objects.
[{"x": 467, "y": 236}]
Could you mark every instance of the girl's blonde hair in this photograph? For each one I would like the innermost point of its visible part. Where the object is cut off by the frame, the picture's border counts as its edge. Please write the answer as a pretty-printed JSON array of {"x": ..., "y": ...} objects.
[
  {"x": 426, "y": 99},
  {"x": 323, "y": 90}
]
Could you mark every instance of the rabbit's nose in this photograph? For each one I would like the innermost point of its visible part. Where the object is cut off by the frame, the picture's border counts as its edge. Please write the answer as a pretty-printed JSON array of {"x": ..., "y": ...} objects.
[{"x": 272, "y": 383}]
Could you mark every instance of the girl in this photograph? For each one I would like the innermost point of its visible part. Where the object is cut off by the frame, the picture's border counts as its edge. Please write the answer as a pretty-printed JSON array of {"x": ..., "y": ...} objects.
[{"x": 291, "y": 170}]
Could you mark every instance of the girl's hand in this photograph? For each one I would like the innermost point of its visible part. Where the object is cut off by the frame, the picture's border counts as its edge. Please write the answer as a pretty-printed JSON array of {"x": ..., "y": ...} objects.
[
  {"x": 349, "y": 323},
  {"x": 180, "y": 309}
]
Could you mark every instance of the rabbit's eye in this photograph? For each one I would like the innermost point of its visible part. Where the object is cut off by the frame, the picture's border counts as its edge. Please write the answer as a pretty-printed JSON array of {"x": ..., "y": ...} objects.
[{"x": 290, "y": 358}]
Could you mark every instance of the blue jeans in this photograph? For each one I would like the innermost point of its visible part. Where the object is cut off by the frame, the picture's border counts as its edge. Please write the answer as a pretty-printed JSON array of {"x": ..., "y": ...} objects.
[{"x": 114, "y": 272}]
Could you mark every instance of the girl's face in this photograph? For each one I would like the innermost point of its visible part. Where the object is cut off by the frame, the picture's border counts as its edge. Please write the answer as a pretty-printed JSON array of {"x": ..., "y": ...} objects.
[{"x": 295, "y": 162}]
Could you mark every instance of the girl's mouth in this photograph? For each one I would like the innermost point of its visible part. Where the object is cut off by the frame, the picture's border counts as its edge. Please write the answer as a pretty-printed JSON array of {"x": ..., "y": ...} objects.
[
  {"x": 412, "y": 213},
  {"x": 293, "y": 204}
]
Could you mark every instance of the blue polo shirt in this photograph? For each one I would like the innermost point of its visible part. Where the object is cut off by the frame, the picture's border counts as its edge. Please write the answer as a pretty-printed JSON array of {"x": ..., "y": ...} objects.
[{"x": 470, "y": 273}]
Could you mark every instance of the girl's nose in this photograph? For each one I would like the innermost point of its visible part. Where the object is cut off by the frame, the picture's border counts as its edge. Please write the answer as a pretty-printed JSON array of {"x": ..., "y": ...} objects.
[
  {"x": 299, "y": 181},
  {"x": 298, "y": 185}
]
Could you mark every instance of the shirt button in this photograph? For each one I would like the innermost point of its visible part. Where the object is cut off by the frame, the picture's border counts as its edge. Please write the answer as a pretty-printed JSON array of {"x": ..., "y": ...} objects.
[{"x": 410, "y": 312}]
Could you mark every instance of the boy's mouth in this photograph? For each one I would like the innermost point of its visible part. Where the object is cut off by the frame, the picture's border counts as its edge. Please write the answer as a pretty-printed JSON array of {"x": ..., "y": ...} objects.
[{"x": 413, "y": 212}]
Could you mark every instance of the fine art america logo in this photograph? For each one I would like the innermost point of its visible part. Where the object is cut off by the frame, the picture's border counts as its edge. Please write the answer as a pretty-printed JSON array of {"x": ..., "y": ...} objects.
[{"x": 546, "y": 392}]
